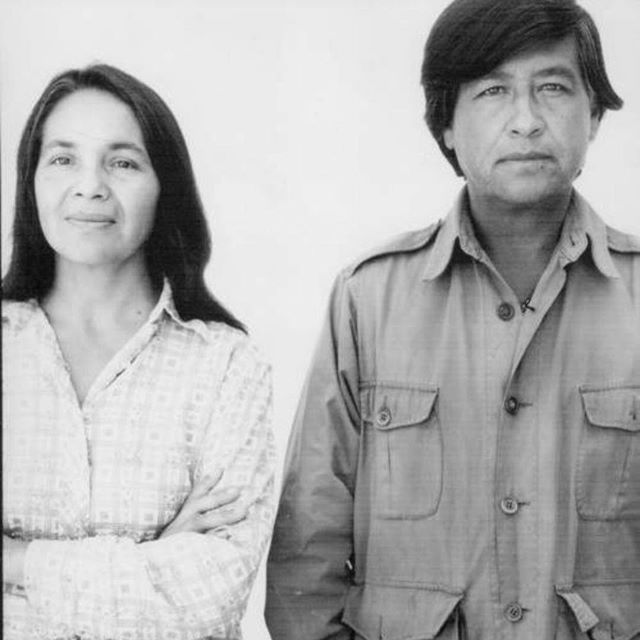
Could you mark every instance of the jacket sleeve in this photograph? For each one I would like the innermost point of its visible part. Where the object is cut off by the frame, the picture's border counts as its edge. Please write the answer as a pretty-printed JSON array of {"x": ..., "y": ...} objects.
[
  {"x": 307, "y": 575},
  {"x": 188, "y": 585}
]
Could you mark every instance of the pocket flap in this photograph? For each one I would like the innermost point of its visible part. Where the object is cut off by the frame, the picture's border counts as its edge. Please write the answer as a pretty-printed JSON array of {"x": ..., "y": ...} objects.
[
  {"x": 390, "y": 406},
  {"x": 607, "y": 611},
  {"x": 618, "y": 408},
  {"x": 398, "y": 613}
]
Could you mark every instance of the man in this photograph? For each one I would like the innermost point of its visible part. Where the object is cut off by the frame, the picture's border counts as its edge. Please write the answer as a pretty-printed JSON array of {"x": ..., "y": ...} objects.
[{"x": 465, "y": 461}]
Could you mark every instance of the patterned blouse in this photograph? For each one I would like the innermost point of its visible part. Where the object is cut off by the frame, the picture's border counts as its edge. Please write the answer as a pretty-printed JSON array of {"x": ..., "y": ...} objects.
[{"x": 93, "y": 485}]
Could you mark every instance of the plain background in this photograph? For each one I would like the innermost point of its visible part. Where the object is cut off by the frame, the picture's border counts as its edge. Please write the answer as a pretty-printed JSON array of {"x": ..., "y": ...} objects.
[{"x": 304, "y": 122}]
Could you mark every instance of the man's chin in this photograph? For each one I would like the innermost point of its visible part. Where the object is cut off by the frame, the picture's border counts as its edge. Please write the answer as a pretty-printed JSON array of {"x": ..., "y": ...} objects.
[{"x": 531, "y": 194}]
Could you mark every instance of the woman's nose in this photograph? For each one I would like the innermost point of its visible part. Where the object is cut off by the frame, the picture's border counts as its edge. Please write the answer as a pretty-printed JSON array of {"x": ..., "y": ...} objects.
[{"x": 91, "y": 184}]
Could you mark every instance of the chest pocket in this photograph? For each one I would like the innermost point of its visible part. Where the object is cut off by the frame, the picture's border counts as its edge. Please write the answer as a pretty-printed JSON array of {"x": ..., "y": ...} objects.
[
  {"x": 403, "y": 449},
  {"x": 608, "y": 473}
]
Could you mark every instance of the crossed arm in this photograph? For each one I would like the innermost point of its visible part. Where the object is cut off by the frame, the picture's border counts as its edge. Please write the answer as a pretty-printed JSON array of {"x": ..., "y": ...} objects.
[
  {"x": 204, "y": 510},
  {"x": 194, "y": 580}
]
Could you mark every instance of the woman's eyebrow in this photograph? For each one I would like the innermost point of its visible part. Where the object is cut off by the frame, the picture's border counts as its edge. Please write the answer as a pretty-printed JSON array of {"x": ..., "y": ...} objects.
[
  {"x": 113, "y": 146},
  {"x": 127, "y": 146},
  {"x": 58, "y": 143}
]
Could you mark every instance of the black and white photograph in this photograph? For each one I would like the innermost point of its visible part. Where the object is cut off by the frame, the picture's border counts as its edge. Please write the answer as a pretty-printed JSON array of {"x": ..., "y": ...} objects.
[{"x": 320, "y": 319}]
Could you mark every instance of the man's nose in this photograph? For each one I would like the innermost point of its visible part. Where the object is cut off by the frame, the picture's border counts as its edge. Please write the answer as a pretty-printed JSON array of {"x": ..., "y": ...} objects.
[
  {"x": 91, "y": 183},
  {"x": 526, "y": 119}
]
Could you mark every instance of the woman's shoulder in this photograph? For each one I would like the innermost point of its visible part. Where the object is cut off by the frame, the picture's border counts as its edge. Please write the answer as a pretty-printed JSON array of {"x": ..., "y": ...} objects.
[
  {"x": 218, "y": 337},
  {"x": 240, "y": 343},
  {"x": 16, "y": 314}
]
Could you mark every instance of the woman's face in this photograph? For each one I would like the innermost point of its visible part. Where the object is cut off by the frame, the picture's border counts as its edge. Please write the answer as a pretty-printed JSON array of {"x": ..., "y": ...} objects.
[{"x": 96, "y": 190}]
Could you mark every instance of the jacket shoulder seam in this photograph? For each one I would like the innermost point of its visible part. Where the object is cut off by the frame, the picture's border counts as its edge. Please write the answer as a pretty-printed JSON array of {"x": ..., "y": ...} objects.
[
  {"x": 621, "y": 242},
  {"x": 405, "y": 243}
]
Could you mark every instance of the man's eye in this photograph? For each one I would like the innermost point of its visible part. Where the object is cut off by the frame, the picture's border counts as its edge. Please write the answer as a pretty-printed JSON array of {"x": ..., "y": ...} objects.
[
  {"x": 493, "y": 91},
  {"x": 553, "y": 87}
]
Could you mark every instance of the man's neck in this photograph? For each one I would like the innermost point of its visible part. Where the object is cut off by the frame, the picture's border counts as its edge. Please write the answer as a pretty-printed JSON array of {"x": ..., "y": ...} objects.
[{"x": 519, "y": 239}]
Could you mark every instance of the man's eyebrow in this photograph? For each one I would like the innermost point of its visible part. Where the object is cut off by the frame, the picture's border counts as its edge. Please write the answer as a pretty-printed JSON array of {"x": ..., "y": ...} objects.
[
  {"x": 554, "y": 70},
  {"x": 557, "y": 70}
]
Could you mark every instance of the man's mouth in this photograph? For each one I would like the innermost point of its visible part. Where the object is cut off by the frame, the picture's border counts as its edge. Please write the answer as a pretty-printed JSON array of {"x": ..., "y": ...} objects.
[{"x": 526, "y": 157}]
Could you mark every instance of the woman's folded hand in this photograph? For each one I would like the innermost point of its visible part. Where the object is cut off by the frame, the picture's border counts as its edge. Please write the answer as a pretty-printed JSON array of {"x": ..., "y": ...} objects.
[{"x": 207, "y": 508}]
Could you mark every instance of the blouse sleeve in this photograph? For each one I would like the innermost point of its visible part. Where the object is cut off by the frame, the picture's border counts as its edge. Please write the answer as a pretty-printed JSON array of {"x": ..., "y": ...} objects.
[{"x": 188, "y": 585}]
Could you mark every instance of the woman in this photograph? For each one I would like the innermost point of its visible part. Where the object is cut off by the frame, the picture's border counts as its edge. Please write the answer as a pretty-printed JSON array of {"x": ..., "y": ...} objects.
[{"x": 138, "y": 455}]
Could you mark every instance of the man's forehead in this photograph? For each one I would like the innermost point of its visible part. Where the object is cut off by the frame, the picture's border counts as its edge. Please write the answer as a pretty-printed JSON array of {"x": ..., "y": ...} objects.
[{"x": 559, "y": 56}]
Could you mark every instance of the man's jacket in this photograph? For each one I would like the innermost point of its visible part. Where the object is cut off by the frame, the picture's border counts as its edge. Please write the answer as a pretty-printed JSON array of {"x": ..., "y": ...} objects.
[{"x": 464, "y": 464}]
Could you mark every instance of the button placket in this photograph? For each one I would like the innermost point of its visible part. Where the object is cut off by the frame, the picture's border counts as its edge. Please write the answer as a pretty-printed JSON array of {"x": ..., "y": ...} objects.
[
  {"x": 512, "y": 405},
  {"x": 509, "y": 506},
  {"x": 505, "y": 311},
  {"x": 514, "y": 612}
]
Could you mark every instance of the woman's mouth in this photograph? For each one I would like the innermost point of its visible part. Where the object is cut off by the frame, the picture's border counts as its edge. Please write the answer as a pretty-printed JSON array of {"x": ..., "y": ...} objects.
[{"x": 90, "y": 220}]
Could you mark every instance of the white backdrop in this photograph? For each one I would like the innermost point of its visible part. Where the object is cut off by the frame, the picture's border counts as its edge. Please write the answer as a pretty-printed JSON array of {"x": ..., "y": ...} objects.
[{"x": 304, "y": 122}]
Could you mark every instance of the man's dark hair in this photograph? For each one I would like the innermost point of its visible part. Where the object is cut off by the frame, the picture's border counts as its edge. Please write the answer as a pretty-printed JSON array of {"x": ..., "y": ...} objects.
[
  {"x": 473, "y": 37},
  {"x": 179, "y": 245}
]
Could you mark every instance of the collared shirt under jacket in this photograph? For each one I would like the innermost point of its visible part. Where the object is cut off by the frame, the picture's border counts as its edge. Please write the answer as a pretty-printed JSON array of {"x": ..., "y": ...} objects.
[
  {"x": 93, "y": 485},
  {"x": 463, "y": 465}
]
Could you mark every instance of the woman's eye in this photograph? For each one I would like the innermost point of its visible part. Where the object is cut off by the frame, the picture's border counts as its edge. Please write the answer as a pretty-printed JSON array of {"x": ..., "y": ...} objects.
[
  {"x": 122, "y": 163},
  {"x": 60, "y": 161}
]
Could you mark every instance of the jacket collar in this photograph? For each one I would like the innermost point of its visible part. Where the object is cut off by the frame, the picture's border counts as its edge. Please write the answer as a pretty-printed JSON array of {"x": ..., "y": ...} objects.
[{"x": 582, "y": 228}]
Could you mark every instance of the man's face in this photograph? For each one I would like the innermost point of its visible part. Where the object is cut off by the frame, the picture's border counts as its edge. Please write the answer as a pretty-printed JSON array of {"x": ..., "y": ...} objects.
[{"x": 521, "y": 133}]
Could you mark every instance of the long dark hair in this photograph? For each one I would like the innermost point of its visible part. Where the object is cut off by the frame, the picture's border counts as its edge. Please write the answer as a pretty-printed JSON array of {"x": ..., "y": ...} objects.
[
  {"x": 179, "y": 245},
  {"x": 473, "y": 37}
]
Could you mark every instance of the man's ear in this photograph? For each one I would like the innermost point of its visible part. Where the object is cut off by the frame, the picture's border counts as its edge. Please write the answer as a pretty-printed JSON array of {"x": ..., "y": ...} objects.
[
  {"x": 595, "y": 125},
  {"x": 447, "y": 137},
  {"x": 596, "y": 115}
]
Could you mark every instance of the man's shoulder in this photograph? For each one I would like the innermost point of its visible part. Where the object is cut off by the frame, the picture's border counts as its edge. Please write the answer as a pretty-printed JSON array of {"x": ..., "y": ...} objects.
[
  {"x": 410, "y": 242},
  {"x": 621, "y": 242}
]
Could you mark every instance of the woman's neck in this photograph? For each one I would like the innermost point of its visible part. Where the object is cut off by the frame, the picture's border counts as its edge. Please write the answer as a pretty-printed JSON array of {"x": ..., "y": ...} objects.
[{"x": 100, "y": 296}]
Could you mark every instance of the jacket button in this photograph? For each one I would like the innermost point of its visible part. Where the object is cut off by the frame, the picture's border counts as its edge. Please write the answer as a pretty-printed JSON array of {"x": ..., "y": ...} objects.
[
  {"x": 511, "y": 405},
  {"x": 509, "y": 506},
  {"x": 506, "y": 311},
  {"x": 513, "y": 612},
  {"x": 383, "y": 418}
]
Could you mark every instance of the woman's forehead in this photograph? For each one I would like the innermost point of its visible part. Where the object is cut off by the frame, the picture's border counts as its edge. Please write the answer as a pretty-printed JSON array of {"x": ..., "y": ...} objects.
[{"x": 92, "y": 115}]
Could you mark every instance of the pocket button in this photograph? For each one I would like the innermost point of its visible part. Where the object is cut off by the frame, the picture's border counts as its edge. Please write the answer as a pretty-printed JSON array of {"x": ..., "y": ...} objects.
[{"x": 383, "y": 417}]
